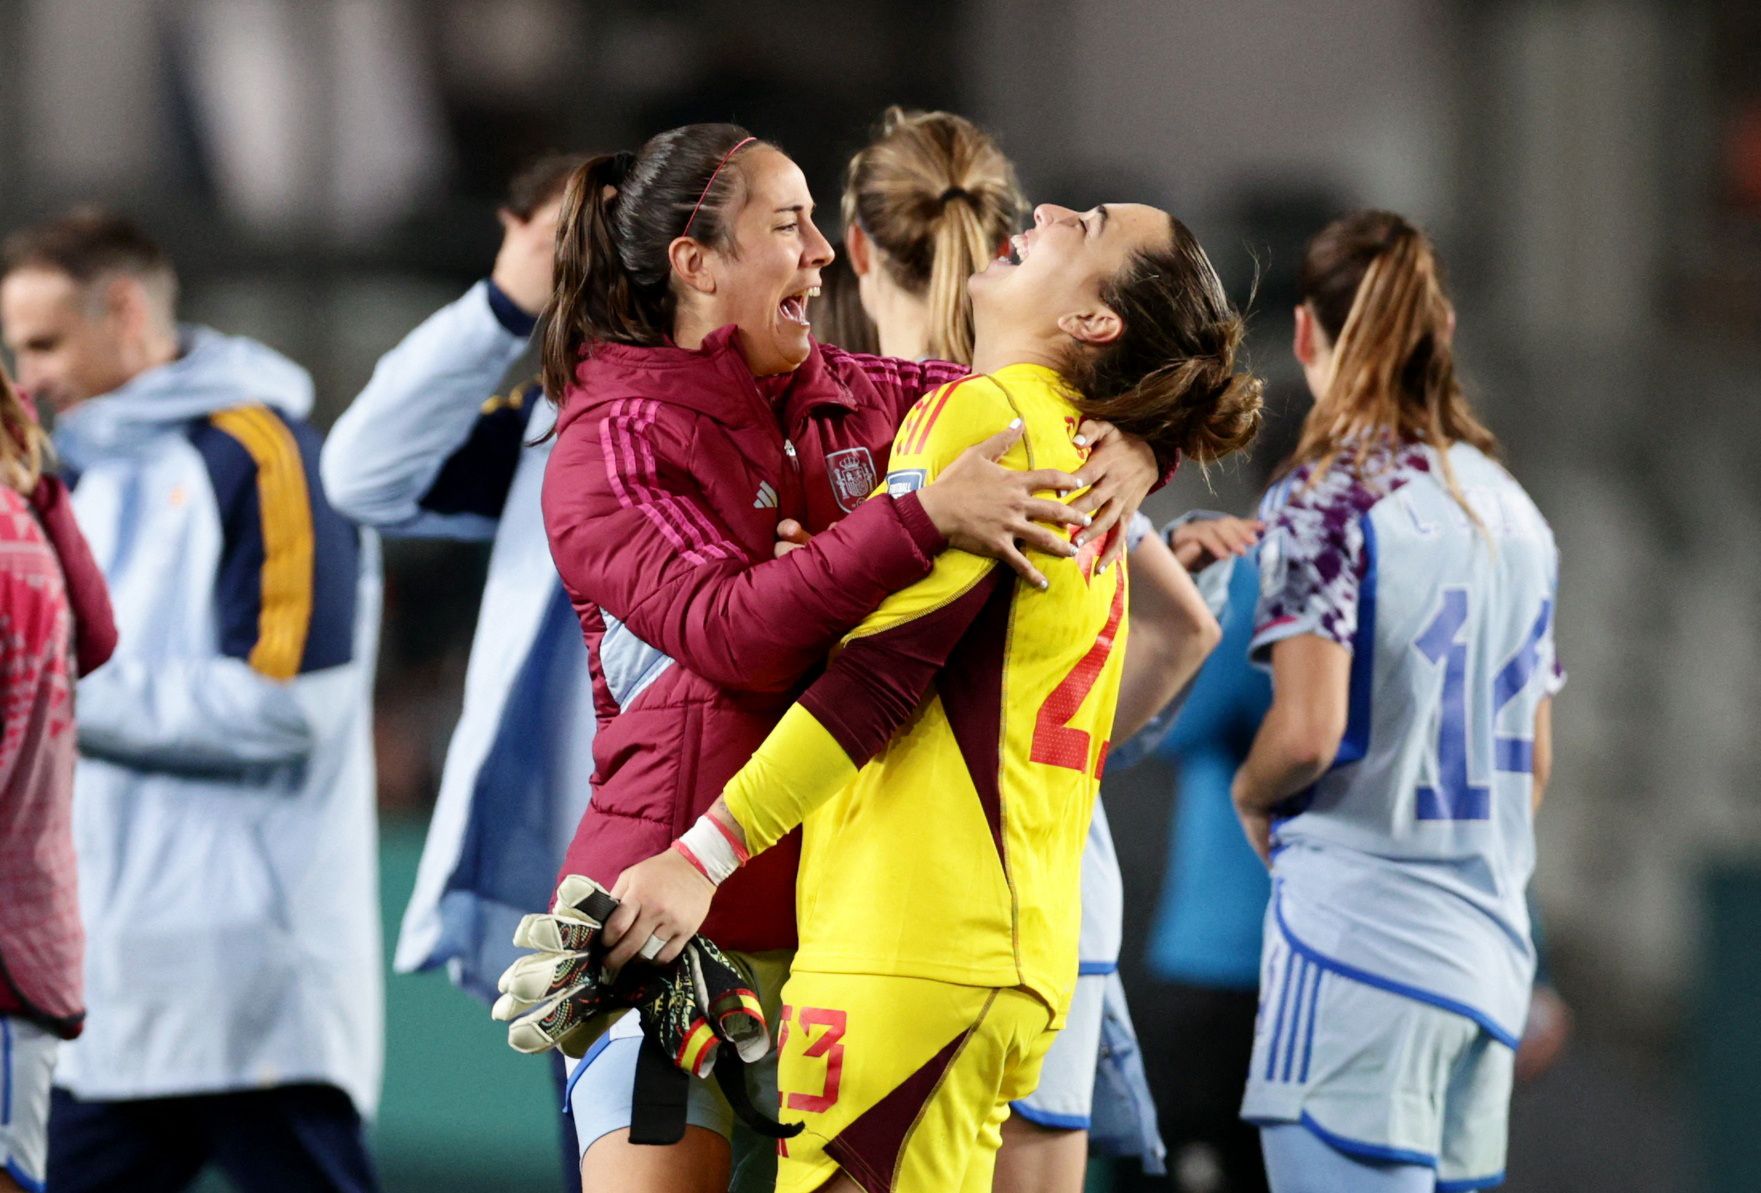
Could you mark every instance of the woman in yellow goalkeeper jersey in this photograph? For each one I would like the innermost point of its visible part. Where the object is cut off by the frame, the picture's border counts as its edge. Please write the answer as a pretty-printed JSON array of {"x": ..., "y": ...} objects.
[
  {"x": 926, "y": 205},
  {"x": 944, "y": 767}
]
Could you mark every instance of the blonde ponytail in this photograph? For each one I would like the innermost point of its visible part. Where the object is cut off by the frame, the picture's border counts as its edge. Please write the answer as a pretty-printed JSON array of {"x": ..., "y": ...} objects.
[
  {"x": 938, "y": 199},
  {"x": 961, "y": 249}
]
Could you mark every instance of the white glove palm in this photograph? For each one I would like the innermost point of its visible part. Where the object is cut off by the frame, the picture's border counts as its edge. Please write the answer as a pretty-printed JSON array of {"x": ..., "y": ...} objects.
[{"x": 545, "y": 995}]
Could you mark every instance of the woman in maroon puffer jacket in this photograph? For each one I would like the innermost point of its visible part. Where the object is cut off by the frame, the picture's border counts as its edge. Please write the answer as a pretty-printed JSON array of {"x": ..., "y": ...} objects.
[{"x": 698, "y": 413}]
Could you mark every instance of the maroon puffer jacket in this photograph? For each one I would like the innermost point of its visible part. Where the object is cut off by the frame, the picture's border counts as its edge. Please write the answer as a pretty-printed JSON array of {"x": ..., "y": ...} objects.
[
  {"x": 670, "y": 473},
  {"x": 94, "y": 624}
]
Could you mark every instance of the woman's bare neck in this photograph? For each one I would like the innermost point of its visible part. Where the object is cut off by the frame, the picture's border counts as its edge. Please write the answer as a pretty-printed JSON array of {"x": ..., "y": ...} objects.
[
  {"x": 902, "y": 323},
  {"x": 991, "y": 353}
]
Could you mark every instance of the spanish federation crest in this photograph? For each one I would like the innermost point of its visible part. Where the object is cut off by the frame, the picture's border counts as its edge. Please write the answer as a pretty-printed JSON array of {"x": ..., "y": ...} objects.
[{"x": 852, "y": 476}]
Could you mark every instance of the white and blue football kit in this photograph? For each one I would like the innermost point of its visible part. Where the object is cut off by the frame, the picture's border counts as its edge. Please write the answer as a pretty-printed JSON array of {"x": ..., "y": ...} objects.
[{"x": 1397, "y": 967}]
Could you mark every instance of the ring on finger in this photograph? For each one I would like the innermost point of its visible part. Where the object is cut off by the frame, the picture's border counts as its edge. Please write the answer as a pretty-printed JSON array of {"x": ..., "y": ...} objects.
[{"x": 652, "y": 946}]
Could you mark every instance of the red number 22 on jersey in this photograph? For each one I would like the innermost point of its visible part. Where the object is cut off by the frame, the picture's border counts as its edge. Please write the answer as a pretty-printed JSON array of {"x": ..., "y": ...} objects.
[{"x": 1055, "y": 742}]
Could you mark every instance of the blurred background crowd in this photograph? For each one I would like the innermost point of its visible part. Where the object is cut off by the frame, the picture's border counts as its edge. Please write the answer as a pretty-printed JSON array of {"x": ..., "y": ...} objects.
[{"x": 325, "y": 173}]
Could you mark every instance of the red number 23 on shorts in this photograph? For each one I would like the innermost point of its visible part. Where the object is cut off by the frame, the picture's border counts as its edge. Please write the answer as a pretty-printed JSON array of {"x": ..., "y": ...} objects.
[{"x": 828, "y": 1044}]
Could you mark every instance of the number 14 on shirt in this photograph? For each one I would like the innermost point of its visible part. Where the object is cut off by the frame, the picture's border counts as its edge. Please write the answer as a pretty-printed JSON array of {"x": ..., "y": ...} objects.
[{"x": 1456, "y": 796}]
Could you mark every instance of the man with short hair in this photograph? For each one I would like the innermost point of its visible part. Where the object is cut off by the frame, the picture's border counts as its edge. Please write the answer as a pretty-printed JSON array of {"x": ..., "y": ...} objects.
[{"x": 223, "y": 817}]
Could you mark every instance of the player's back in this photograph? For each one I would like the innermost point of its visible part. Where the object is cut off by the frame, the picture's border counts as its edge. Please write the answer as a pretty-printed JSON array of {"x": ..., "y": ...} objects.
[
  {"x": 1409, "y": 859},
  {"x": 956, "y": 853}
]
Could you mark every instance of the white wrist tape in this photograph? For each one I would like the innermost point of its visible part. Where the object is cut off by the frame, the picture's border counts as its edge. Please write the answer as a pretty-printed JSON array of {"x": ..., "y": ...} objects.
[{"x": 713, "y": 848}]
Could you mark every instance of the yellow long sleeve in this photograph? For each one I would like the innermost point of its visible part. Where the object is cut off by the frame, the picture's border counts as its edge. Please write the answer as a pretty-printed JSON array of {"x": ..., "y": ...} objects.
[{"x": 799, "y": 767}]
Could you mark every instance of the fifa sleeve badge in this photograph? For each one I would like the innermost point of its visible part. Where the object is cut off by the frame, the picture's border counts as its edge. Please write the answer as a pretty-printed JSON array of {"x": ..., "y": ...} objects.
[{"x": 905, "y": 480}]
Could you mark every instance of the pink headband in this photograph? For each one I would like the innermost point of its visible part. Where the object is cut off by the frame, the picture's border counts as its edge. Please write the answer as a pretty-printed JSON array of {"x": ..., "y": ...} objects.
[{"x": 711, "y": 182}]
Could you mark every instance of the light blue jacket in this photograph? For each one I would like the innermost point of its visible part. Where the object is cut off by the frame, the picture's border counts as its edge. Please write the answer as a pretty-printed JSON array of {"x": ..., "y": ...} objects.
[
  {"x": 425, "y": 451},
  {"x": 223, "y": 809}
]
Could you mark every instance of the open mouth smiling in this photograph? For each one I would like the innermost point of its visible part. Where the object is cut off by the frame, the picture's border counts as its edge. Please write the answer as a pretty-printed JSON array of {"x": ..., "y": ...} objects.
[{"x": 794, "y": 308}]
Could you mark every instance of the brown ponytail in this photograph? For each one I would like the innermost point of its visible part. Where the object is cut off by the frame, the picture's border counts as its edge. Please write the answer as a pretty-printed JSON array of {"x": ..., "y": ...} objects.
[
  {"x": 938, "y": 198},
  {"x": 1375, "y": 286},
  {"x": 1170, "y": 377},
  {"x": 620, "y": 214},
  {"x": 23, "y": 446}
]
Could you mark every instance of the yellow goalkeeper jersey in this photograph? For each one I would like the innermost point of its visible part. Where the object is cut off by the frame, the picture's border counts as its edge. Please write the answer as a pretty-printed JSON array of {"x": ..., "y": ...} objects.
[{"x": 944, "y": 769}]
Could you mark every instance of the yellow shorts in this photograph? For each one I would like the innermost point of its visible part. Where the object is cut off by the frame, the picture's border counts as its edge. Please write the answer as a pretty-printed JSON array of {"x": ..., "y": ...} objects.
[{"x": 903, "y": 1083}]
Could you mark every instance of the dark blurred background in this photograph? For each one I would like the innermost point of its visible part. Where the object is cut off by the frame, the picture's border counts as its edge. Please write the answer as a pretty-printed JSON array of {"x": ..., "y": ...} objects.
[{"x": 325, "y": 174}]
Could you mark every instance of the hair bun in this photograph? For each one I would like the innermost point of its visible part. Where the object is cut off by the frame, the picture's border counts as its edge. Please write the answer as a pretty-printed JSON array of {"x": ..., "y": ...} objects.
[{"x": 1233, "y": 419}]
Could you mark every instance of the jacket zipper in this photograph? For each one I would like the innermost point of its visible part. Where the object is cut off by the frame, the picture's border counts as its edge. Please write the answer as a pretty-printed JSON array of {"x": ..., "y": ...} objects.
[
  {"x": 786, "y": 508},
  {"x": 796, "y": 509}
]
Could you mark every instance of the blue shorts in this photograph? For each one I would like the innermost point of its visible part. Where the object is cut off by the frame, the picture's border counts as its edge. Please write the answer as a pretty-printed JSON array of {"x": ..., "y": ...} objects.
[
  {"x": 1064, "y": 1098},
  {"x": 602, "y": 1081},
  {"x": 292, "y": 1138},
  {"x": 1377, "y": 1075},
  {"x": 1093, "y": 1078}
]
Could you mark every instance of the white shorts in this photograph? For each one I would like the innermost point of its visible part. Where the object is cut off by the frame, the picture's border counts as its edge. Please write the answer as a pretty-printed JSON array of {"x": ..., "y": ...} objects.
[
  {"x": 601, "y": 1083},
  {"x": 27, "y": 1063},
  {"x": 1378, "y": 1075},
  {"x": 1064, "y": 1098}
]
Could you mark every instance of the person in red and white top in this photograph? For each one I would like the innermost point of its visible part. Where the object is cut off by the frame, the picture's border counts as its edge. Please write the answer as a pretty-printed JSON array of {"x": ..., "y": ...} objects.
[{"x": 54, "y": 620}]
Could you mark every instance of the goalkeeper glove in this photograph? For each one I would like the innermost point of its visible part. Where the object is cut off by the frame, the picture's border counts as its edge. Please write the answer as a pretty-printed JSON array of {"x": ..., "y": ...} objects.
[{"x": 560, "y": 996}]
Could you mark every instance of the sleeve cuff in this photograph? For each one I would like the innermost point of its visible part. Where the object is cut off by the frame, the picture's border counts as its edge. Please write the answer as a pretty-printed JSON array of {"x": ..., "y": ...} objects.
[
  {"x": 1259, "y": 649},
  {"x": 1138, "y": 529},
  {"x": 508, "y": 313},
  {"x": 923, "y": 532},
  {"x": 1555, "y": 682}
]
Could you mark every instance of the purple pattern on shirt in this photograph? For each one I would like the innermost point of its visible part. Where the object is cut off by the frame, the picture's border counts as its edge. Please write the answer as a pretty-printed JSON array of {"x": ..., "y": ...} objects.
[{"x": 1312, "y": 561}]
